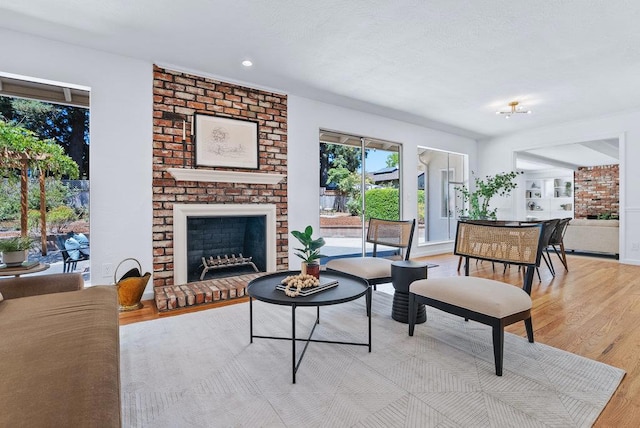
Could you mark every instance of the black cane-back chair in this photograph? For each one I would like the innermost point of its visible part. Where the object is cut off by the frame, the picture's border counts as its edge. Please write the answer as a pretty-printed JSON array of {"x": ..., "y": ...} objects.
[{"x": 377, "y": 270}]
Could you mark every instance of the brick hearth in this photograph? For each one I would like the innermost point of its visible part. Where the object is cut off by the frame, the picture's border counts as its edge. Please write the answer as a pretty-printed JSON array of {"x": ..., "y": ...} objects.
[{"x": 202, "y": 292}]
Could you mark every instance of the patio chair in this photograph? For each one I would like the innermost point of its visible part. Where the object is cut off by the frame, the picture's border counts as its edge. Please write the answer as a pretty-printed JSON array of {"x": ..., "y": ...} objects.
[
  {"x": 377, "y": 270},
  {"x": 69, "y": 264}
]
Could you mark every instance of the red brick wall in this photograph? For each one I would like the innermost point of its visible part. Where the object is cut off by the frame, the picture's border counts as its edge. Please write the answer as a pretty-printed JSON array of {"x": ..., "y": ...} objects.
[
  {"x": 176, "y": 97},
  {"x": 597, "y": 190}
]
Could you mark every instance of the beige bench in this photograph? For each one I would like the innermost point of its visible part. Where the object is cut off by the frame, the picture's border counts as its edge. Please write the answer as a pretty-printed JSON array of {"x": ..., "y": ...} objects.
[{"x": 487, "y": 301}]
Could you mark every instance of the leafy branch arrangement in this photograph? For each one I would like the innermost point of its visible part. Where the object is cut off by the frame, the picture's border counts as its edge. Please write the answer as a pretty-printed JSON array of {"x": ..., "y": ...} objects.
[{"x": 500, "y": 185}]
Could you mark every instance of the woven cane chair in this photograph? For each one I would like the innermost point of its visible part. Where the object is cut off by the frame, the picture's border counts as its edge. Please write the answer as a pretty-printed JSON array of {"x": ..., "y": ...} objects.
[
  {"x": 377, "y": 270},
  {"x": 486, "y": 301}
]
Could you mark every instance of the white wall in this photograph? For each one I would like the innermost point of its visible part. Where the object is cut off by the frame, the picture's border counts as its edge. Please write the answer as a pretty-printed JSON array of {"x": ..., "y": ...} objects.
[
  {"x": 121, "y": 145},
  {"x": 307, "y": 117},
  {"x": 497, "y": 155},
  {"x": 121, "y": 140}
]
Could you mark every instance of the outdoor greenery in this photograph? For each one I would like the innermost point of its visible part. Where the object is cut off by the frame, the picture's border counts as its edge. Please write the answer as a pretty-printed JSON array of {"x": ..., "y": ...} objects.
[
  {"x": 43, "y": 155},
  {"x": 337, "y": 156},
  {"x": 21, "y": 148},
  {"x": 380, "y": 203},
  {"x": 57, "y": 219},
  {"x": 421, "y": 206},
  {"x": 57, "y": 193},
  {"x": 347, "y": 185},
  {"x": 67, "y": 126},
  {"x": 310, "y": 251},
  {"x": 18, "y": 243},
  {"x": 478, "y": 200}
]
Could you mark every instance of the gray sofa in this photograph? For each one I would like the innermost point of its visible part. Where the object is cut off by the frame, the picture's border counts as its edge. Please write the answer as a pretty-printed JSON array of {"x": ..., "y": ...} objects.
[
  {"x": 59, "y": 357},
  {"x": 597, "y": 236}
]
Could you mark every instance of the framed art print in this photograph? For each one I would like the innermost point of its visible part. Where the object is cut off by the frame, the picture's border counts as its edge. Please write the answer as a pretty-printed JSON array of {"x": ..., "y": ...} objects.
[{"x": 226, "y": 142}]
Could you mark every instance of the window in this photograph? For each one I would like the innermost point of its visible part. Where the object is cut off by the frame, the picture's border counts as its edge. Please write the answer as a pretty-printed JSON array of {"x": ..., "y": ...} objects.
[{"x": 439, "y": 175}]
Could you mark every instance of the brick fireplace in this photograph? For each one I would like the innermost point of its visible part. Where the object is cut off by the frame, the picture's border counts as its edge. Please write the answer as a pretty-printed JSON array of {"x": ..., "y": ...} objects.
[{"x": 178, "y": 186}]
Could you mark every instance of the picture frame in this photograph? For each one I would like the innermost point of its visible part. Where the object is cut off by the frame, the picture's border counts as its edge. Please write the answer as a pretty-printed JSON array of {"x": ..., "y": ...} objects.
[{"x": 225, "y": 142}]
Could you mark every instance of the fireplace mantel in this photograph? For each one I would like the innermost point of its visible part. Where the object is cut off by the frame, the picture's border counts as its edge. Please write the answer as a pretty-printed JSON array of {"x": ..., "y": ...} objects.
[{"x": 213, "y": 176}]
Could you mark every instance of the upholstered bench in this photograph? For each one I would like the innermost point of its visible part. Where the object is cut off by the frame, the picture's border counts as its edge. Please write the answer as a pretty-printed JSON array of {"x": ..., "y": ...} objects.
[
  {"x": 483, "y": 300},
  {"x": 487, "y": 301}
]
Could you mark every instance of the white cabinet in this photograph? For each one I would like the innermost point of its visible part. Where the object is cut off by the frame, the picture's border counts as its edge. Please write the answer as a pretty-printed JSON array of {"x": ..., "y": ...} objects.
[{"x": 549, "y": 197}]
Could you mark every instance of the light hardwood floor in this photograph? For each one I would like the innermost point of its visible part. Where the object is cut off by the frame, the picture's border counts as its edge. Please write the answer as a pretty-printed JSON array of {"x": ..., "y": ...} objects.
[{"x": 593, "y": 310}]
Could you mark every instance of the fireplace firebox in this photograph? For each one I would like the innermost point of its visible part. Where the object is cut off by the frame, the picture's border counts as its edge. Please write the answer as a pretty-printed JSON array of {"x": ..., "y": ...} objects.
[{"x": 230, "y": 245}]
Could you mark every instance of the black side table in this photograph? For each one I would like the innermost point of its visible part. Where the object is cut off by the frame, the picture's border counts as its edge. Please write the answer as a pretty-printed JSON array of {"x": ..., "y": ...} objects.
[{"x": 403, "y": 273}]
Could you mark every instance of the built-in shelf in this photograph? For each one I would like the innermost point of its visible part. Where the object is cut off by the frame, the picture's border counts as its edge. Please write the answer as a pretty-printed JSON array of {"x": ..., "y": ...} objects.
[
  {"x": 548, "y": 196},
  {"x": 213, "y": 176}
]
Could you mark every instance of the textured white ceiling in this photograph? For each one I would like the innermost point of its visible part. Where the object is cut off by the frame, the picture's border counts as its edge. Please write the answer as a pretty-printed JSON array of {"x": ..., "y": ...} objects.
[{"x": 447, "y": 64}]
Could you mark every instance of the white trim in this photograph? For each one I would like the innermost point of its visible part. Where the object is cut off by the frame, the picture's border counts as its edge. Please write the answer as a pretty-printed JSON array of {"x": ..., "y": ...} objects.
[
  {"x": 213, "y": 176},
  {"x": 182, "y": 211}
]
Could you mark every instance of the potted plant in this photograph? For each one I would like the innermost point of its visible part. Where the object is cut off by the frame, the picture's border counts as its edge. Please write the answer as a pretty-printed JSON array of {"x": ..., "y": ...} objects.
[
  {"x": 501, "y": 184},
  {"x": 310, "y": 251},
  {"x": 14, "y": 250},
  {"x": 568, "y": 186}
]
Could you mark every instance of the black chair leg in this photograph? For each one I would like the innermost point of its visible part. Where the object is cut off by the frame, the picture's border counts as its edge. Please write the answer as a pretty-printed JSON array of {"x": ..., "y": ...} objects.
[
  {"x": 561, "y": 255},
  {"x": 548, "y": 263},
  {"x": 498, "y": 347},
  {"x": 529, "y": 326}
]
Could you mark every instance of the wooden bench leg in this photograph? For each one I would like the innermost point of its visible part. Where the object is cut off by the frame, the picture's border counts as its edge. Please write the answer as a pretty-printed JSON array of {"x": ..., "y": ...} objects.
[
  {"x": 498, "y": 346},
  {"x": 412, "y": 313}
]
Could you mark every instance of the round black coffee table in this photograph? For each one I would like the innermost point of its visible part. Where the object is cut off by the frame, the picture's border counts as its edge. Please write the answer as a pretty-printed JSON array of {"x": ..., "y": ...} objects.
[
  {"x": 349, "y": 288},
  {"x": 403, "y": 273}
]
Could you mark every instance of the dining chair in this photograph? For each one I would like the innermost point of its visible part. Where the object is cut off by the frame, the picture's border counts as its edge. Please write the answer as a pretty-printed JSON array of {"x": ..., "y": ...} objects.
[
  {"x": 549, "y": 229},
  {"x": 377, "y": 270},
  {"x": 556, "y": 243}
]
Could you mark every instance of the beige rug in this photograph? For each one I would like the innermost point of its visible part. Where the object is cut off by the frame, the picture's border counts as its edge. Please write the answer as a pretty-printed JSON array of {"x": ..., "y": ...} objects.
[{"x": 199, "y": 370}]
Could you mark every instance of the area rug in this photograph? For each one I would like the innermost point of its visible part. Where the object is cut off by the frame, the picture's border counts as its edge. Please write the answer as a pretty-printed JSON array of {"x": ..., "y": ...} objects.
[{"x": 199, "y": 370}]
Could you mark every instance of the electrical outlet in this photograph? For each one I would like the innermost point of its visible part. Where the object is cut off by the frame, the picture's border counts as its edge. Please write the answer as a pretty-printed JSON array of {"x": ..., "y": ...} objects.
[
  {"x": 107, "y": 269},
  {"x": 635, "y": 246}
]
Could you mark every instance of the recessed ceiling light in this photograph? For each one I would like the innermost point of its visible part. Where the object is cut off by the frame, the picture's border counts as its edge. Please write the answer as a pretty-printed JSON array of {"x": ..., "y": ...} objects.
[{"x": 247, "y": 63}]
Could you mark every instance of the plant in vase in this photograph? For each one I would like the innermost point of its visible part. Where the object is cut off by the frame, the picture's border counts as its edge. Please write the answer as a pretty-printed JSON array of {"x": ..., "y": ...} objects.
[
  {"x": 501, "y": 185},
  {"x": 14, "y": 250},
  {"x": 568, "y": 186},
  {"x": 310, "y": 251}
]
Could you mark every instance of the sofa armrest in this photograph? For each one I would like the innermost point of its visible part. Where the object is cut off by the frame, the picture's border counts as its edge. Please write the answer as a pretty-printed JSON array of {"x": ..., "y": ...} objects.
[{"x": 14, "y": 288}]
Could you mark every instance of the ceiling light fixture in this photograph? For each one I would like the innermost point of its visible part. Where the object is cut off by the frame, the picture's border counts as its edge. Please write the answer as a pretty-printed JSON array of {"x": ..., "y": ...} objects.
[
  {"x": 516, "y": 108},
  {"x": 247, "y": 63}
]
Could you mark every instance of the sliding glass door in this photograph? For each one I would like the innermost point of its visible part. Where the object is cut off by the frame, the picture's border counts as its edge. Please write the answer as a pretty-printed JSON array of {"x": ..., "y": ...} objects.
[{"x": 359, "y": 178}]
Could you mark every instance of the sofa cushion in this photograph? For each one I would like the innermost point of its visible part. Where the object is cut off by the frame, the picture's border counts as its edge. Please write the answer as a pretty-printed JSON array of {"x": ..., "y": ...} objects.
[
  {"x": 486, "y": 296},
  {"x": 590, "y": 222},
  {"x": 364, "y": 267},
  {"x": 59, "y": 359},
  {"x": 25, "y": 286}
]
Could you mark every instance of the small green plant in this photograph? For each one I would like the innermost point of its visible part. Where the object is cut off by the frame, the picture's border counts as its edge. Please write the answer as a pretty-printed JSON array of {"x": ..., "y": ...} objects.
[
  {"x": 310, "y": 251},
  {"x": 18, "y": 243}
]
